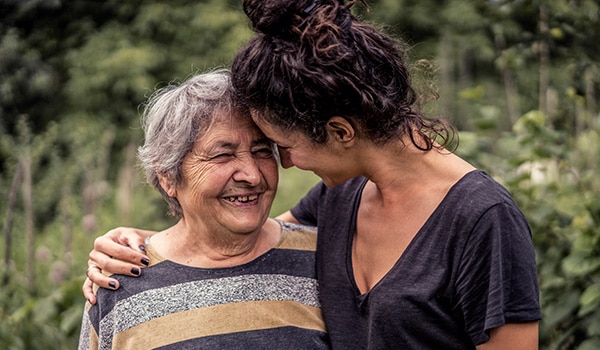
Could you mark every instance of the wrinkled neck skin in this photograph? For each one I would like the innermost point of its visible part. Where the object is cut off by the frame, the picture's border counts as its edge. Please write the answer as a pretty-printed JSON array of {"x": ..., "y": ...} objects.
[{"x": 193, "y": 245}]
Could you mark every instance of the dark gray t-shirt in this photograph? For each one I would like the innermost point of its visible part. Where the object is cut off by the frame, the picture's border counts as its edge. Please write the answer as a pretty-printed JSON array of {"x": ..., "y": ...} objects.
[{"x": 469, "y": 269}]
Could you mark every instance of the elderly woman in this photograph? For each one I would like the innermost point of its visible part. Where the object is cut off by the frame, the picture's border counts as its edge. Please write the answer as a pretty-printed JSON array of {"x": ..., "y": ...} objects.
[{"x": 224, "y": 276}]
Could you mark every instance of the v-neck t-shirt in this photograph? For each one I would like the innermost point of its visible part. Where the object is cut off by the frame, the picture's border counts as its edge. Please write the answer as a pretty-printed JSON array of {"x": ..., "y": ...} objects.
[{"x": 470, "y": 268}]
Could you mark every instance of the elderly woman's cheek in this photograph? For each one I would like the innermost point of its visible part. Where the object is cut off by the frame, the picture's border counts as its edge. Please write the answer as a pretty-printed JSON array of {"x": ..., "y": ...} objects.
[
  {"x": 201, "y": 176},
  {"x": 270, "y": 172}
]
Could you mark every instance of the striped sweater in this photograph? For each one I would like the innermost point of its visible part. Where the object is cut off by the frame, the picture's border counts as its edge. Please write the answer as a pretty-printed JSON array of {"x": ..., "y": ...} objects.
[{"x": 268, "y": 303}]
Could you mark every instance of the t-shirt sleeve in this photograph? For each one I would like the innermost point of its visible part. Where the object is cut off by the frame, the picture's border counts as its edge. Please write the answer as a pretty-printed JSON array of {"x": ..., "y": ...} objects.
[
  {"x": 497, "y": 280},
  {"x": 306, "y": 211}
]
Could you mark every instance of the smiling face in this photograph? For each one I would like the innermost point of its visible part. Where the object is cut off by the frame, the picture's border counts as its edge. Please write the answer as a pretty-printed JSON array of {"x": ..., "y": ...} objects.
[
  {"x": 330, "y": 161},
  {"x": 229, "y": 178}
]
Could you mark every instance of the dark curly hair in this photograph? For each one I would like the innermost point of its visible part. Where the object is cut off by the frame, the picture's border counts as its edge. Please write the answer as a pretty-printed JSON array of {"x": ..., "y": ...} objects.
[{"x": 311, "y": 60}]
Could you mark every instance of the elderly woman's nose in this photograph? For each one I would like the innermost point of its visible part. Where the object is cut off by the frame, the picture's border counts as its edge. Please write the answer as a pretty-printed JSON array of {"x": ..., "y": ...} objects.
[{"x": 248, "y": 170}]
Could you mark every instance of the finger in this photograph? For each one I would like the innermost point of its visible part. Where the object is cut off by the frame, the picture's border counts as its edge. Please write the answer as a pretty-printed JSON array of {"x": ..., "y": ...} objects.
[
  {"x": 96, "y": 276},
  {"x": 131, "y": 237},
  {"x": 88, "y": 291},
  {"x": 114, "y": 266},
  {"x": 105, "y": 248}
]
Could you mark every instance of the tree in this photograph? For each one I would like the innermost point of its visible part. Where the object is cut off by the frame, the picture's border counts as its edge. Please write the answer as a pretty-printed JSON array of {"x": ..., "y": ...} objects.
[{"x": 521, "y": 79}]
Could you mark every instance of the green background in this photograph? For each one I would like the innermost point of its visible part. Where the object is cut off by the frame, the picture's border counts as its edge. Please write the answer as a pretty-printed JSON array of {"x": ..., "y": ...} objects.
[{"x": 520, "y": 79}]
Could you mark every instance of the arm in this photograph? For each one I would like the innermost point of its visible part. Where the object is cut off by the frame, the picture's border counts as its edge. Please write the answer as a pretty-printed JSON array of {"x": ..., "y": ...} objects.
[
  {"x": 517, "y": 336},
  {"x": 288, "y": 217},
  {"x": 119, "y": 251}
]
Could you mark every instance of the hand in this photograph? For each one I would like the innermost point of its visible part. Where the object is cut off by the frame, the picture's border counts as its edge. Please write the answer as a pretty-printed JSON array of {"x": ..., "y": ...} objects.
[{"x": 119, "y": 251}]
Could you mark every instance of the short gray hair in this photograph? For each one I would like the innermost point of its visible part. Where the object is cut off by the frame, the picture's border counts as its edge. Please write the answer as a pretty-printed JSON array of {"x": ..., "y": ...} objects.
[{"x": 173, "y": 118}]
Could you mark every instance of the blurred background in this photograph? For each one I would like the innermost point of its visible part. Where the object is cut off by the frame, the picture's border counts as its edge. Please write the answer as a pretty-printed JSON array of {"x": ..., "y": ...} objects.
[{"x": 520, "y": 79}]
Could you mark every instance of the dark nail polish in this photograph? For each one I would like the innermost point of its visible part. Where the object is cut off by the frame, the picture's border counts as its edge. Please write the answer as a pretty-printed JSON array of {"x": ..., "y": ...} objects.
[
  {"x": 135, "y": 271},
  {"x": 112, "y": 285},
  {"x": 142, "y": 248},
  {"x": 145, "y": 261}
]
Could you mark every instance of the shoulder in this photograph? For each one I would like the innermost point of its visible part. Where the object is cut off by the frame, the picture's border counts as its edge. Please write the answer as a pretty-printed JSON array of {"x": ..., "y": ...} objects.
[
  {"x": 478, "y": 189},
  {"x": 478, "y": 202},
  {"x": 296, "y": 236},
  {"x": 153, "y": 255}
]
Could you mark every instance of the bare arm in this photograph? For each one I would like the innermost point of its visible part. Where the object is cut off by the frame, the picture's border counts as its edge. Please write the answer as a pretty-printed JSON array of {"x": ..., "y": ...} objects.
[
  {"x": 514, "y": 336},
  {"x": 119, "y": 251},
  {"x": 287, "y": 217}
]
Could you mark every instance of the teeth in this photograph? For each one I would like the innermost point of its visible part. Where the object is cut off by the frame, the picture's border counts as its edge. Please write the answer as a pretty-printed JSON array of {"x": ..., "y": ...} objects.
[{"x": 242, "y": 199}]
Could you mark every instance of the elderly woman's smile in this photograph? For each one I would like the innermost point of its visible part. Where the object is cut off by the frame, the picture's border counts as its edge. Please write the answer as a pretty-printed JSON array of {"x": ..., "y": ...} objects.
[
  {"x": 229, "y": 177},
  {"x": 225, "y": 275},
  {"x": 242, "y": 199}
]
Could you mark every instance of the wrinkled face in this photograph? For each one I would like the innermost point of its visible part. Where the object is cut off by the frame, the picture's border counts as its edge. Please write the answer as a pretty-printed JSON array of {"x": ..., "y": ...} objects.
[
  {"x": 229, "y": 178},
  {"x": 296, "y": 149}
]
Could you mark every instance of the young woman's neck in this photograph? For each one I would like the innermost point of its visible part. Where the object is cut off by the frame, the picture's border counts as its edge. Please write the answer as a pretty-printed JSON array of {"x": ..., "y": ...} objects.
[{"x": 399, "y": 169}]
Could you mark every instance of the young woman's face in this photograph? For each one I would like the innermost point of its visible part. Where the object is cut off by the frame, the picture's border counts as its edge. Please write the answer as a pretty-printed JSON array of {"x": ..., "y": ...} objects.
[
  {"x": 230, "y": 177},
  {"x": 296, "y": 149}
]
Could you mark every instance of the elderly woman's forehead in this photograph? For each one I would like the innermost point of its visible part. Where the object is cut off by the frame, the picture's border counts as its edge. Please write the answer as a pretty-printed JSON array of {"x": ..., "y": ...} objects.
[
  {"x": 226, "y": 124},
  {"x": 234, "y": 119}
]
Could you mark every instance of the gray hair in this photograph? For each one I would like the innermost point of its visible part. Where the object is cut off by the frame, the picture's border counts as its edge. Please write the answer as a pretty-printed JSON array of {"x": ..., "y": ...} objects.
[{"x": 173, "y": 118}]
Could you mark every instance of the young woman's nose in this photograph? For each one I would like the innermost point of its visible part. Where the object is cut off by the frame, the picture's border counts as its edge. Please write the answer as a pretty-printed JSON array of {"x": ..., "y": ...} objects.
[{"x": 284, "y": 158}]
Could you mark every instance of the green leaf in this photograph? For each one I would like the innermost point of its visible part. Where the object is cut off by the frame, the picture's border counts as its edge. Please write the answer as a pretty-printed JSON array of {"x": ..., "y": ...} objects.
[
  {"x": 554, "y": 313},
  {"x": 579, "y": 264},
  {"x": 590, "y": 344},
  {"x": 590, "y": 299}
]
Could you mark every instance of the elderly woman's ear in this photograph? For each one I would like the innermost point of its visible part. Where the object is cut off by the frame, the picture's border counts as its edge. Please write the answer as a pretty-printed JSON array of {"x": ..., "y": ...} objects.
[{"x": 168, "y": 185}]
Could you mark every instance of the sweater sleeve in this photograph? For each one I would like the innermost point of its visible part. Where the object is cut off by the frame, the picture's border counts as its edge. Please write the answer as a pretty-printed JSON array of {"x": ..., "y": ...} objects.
[{"x": 88, "y": 338}]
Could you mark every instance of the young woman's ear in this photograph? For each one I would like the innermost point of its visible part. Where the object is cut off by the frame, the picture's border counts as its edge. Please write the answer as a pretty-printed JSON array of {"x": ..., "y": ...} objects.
[
  {"x": 167, "y": 185},
  {"x": 340, "y": 130}
]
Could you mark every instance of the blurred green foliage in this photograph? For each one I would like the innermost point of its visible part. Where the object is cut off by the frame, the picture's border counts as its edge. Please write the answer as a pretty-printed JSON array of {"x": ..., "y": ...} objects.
[{"x": 520, "y": 79}]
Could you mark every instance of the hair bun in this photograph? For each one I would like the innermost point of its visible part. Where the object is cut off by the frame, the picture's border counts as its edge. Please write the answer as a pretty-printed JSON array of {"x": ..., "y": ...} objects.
[{"x": 277, "y": 18}]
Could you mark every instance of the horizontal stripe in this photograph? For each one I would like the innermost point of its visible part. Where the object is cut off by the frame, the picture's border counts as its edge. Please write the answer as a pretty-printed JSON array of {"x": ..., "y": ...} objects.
[
  {"x": 268, "y": 299},
  {"x": 267, "y": 339},
  {"x": 300, "y": 238},
  {"x": 297, "y": 263},
  {"x": 222, "y": 320},
  {"x": 159, "y": 302}
]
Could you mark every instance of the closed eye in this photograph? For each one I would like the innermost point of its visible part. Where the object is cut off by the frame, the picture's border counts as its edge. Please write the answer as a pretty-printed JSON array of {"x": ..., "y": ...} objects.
[
  {"x": 263, "y": 153},
  {"x": 222, "y": 156}
]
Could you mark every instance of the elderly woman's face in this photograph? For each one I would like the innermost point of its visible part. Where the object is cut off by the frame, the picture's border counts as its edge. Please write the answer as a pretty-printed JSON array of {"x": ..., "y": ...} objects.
[{"x": 230, "y": 177}]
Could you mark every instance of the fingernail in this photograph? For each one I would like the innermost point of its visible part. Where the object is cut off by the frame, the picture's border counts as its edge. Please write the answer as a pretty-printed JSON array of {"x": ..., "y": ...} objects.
[
  {"x": 135, "y": 271},
  {"x": 112, "y": 285},
  {"x": 142, "y": 248},
  {"x": 145, "y": 261}
]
